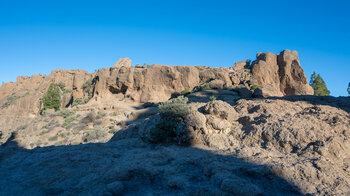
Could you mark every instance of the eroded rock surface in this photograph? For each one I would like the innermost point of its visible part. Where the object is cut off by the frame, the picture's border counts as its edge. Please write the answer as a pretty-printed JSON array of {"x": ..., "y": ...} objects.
[
  {"x": 276, "y": 146},
  {"x": 280, "y": 75},
  {"x": 243, "y": 143}
]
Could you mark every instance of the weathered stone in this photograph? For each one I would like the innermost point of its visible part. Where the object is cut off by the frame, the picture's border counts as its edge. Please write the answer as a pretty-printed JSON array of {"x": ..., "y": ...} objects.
[
  {"x": 221, "y": 109},
  {"x": 280, "y": 75},
  {"x": 293, "y": 80},
  {"x": 123, "y": 62},
  {"x": 240, "y": 65}
]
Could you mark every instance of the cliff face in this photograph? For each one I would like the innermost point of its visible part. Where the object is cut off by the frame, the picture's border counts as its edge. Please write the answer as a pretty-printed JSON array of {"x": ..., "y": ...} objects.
[{"x": 277, "y": 75}]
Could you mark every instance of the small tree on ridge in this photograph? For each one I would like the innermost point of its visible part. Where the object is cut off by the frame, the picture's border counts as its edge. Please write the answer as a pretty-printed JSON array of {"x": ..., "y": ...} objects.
[{"x": 319, "y": 86}]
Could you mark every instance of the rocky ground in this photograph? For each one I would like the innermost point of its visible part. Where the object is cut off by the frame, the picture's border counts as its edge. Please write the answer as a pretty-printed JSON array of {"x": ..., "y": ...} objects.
[
  {"x": 247, "y": 139},
  {"x": 294, "y": 145}
]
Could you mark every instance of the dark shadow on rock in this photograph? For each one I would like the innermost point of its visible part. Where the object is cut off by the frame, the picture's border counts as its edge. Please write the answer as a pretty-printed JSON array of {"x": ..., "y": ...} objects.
[
  {"x": 132, "y": 167},
  {"x": 228, "y": 96},
  {"x": 126, "y": 165}
]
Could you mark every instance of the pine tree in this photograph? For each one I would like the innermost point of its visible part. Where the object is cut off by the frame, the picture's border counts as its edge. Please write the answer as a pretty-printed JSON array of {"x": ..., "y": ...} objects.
[
  {"x": 52, "y": 98},
  {"x": 319, "y": 86},
  {"x": 349, "y": 88}
]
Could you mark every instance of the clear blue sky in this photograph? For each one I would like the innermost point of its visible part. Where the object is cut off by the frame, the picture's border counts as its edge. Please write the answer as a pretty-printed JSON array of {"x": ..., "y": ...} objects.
[{"x": 39, "y": 36}]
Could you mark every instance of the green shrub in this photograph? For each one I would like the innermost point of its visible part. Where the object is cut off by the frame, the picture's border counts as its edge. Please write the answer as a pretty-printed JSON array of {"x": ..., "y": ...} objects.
[
  {"x": 162, "y": 130},
  {"x": 59, "y": 143},
  {"x": 12, "y": 98},
  {"x": 94, "y": 134},
  {"x": 112, "y": 130},
  {"x": 68, "y": 121},
  {"x": 87, "y": 85},
  {"x": 171, "y": 127},
  {"x": 65, "y": 113},
  {"x": 166, "y": 130},
  {"x": 174, "y": 108},
  {"x": 53, "y": 138},
  {"x": 202, "y": 87},
  {"x": 205, "y": 86},
  {"x": 67, "y": 91},
  {"x": 90, "y": 117},
  {"x": 61, "y": 85},
  {"x": 78, "y": 101},
  {"x": 22, "y": 127},
  {"x": 181, "y": 134},
  {"x": 75, "y": 131},
  {"x": 212, "y": 98},
  {"x": 255, "y": 86},
  {"x": 185, "y": 91},
  {"x": 121, "y": 123},
  {"x": 39, "y": 142},
  {"x": 52, "y": 98}
]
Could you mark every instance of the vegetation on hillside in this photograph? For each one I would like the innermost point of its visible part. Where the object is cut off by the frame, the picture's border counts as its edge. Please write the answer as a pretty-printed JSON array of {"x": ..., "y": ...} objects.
[
  {"x": 12, "y": 98},
  {"x": 52, "y": 98},
  {"x": 319, "y": 86},
  {"x": 171, "y": 126}
]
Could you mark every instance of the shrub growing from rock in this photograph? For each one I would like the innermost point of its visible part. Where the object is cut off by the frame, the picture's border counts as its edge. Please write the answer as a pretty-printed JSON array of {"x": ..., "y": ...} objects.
[
  {"x": 162, "y": 130},
  {"x": 254, "y": 86},
  {"x": 12, "y": 98},
  {"x": 171, "y": 127},
  {"x": 186, "y": 91},
  {"x": 212, "y": 98},
  {"x": 174, "y": 108},
  {"x": 94, "y": 134}
]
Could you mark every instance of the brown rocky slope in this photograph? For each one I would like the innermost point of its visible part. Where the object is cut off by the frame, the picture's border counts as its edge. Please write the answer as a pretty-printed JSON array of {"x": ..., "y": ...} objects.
[
  {"x": 244, "y": 143},
  {"x": 277, "y": 75}
]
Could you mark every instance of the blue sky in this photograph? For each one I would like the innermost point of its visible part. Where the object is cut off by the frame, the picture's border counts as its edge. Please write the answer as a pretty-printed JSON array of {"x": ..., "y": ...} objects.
[{"x": 40, "y": 36}]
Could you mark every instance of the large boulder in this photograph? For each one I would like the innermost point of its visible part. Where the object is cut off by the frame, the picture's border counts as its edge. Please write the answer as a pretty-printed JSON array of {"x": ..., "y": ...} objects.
[
  {"x": 280, "y": 75},
  {"x": 240, "y": 65},
  {"x": 265, "y": 73},
  {"x": 221, "y": 110},
  {"x": 293, "y": 80}
]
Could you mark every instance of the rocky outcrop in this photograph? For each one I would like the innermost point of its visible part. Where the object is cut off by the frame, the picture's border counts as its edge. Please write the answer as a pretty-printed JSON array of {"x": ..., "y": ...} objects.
[
  {"x": 293, "y": 80},
  {"x": 280, "y": 75},
  {"x": 277, "y": 75},
  {"x": 123, "y": 62},
  {"x": 295, "y": 145},
  {"x": 240, "y": 65}
]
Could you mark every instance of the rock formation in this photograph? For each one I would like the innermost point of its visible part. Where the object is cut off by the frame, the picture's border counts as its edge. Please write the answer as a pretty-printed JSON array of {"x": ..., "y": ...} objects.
[
  {"x": 256, "y": 130},
  {"x": 276, "y": 75},
  {"x": 280, "y": 75},
  {"x": 123, "y": 62},
  {"x": 295, "y": 145}
]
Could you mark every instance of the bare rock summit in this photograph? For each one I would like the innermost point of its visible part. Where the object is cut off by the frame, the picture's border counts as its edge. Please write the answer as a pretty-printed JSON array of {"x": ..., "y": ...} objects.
[
  {"x": 123, "y": 62},
  {"x": 280, "y": 75}
]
